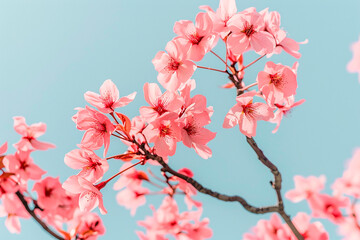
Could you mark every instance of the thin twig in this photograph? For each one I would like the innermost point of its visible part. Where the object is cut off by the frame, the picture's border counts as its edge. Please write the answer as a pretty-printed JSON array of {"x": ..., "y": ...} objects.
[
  {"x": 212, "y": 69},
  {"x": 32, "y": 213}
]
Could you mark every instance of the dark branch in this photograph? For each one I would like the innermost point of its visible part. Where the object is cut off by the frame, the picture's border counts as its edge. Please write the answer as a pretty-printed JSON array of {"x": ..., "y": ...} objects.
[
  {"x": 202, "y": 189},
  {"x": 276, "y": 185},
  {"x": 32, "y": 213}
]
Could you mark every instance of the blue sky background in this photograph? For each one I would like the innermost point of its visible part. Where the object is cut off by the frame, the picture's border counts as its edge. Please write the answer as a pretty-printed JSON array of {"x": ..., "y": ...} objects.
[{"x": 52, "y": 52}]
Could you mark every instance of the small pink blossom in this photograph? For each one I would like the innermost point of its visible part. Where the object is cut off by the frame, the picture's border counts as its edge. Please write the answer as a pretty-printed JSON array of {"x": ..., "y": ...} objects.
[
  {"x": 283, "y": 110},
  {"x": 108, "y": 100},
  {"x": 90, "y": 196},
  {"x": 87, "y": 225},
  {"x": 220, "y": 18},
  {"x": 164, "y": 221},
  {"x": 194, "y": 135},
  {"x": 159, "y": 103},
  {"x": 248, "y": 32},
  {"x": 130, "y": 177},
  {"x": 268, "y": 230},
  {"x": 29, "y": 135},
  {"x": 97, "y": 126},
  {"x": 326, "y": 206},
  {"x": 305, "y": 187},
  {"x": 93, "y": 167},
  {"x": 22, "y": 164},
  {"x": 173, "y": 66},
  {"x": 164, "y": 133},
  {"x": 246, "y": 114},
  {"x": 309, "y": 231},
  {"x": 354, "y": 65},
  {"x": 132, "y": 197},
  {"x": 13, "y": 209},
  {"x": 277, "y": 82},
  {"x": 8, "y": 183},
  {"x": 49, "y": 192},
  {"x": 198, "y": 37},
  {"x": 349, "y": 183}
]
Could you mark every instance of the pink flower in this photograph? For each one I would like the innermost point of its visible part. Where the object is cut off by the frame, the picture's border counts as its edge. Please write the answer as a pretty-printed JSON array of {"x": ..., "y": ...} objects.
[
  {"x": 93, "y": 167},
  {"x": 248, "y": 33},
  {"x": 130, "y": 177},
  {"x": 165, "y": 220},
  {"x": 87, "y": 225},
  {"x": 199, "y": 37},
  {"x": 277, "y": 82},
  {"x": 309, "y": 231},
  {"x": 159, "y": 103},
  {"x": 132, "y": 197},
  {"x": 349, "y": 183},
  {"x": 173, "y": 66},
  {"x": 49, "y": 192},
  {"x": 350, "y": 227},
  {"x": 227, "y": 9},
  {"x": 29, "y": 135},
  {"x": 108, "y": 100},
  {"x": 283, "y": 110},
  {"x": 246, "y": 114},
  {"x": 97, "y": 126},
  {"x": 194, "y": 135},
  {"x": 268, "y": 230},
  {"x": 22, "y": 164},
  {"x": 164, "y": 133},
  {"x": 90, "y": 196},
  {"x": 325, "y": 206},
  {"x": 305, "y": 187},
  {"x": 13, "y": 209},
  {"x": 354, "y": 65},
  {"x": 8, "y": 183}
]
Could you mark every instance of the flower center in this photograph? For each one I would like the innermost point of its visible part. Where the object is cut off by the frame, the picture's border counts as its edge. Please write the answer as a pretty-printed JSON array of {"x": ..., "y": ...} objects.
[{"x": 248, "y": 30}]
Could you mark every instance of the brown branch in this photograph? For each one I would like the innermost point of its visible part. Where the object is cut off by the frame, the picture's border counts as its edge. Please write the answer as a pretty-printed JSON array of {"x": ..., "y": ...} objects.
[
  {"x": 32, "y": 213},
  {"x": 276, "y": 185},
  {"x": 202, "y": 189}
]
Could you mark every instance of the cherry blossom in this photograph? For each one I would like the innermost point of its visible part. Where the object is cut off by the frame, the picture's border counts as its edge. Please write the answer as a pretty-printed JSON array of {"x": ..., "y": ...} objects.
[
  {"x": 108, "y": 100},
  {"x": 93, "y": 167},
  {"x": 22, "y": 164},
  {"x": 160, "y": 103},
  {"x": 283, "y": 109},
  {"x": 248, "y": 33},
  {"x": 13, "y": 209},
  {"x": 173, "y": 66},
  {"x": 29, "y": 135},
  {"x": 49, "y": 192},
  {"x": 97, "y": 126},
  {"x": 277, "y": 82},
  {"x": 198, "y": 37},
  {"x": 220, "y": 18},
  {"x": 164, "y": 133},
  {"x": 90, "y": 196},
  {"x": 305, "y": 187},
  {"x": 326, "y": 206},
  {"x": 246, "y": 114}
]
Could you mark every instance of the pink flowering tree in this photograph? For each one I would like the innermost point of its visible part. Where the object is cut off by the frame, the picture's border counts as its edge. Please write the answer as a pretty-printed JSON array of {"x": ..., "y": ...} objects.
[{"x": 175, "y": 114}]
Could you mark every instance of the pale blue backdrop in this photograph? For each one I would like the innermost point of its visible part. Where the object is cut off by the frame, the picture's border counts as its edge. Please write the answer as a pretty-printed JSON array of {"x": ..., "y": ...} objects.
[{"x": 53, "y": 51}]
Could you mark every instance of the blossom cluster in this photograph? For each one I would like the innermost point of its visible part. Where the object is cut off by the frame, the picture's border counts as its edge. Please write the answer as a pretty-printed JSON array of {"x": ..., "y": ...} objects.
[
  {"x": 172, "y": 115},
  {"x": 54, "y": 205}
]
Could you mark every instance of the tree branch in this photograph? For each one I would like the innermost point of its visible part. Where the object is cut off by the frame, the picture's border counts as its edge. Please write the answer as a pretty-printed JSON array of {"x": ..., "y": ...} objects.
[
  {"x": 32, "y": 213},
  {"x": 207, "y": 191},
  {"x": 276, "y": 185}
]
